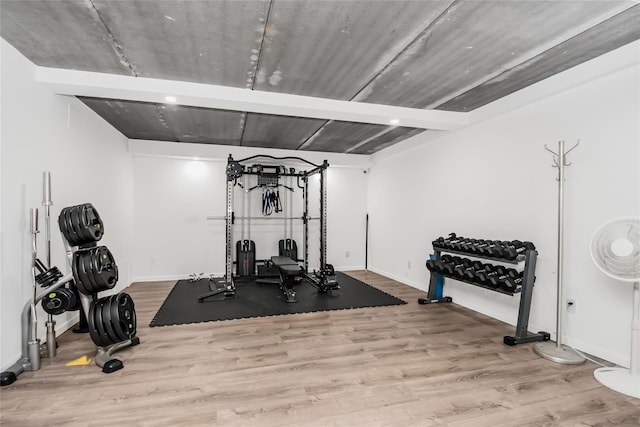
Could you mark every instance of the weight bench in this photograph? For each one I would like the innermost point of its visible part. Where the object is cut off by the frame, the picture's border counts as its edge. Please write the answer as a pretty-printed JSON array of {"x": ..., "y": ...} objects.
[{"x": 289, "y": 274}]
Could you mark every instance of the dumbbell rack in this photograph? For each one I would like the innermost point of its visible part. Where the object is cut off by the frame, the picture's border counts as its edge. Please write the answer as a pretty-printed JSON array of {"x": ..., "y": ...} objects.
[{"x": 529, "y": 258}]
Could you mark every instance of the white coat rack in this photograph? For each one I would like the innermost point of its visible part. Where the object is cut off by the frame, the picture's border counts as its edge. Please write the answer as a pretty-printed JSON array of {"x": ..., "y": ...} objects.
[{"x": 558, "y": 352}]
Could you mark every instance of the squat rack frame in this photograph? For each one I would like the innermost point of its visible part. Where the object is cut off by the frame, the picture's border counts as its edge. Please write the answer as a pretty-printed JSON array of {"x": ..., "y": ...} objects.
[{"x": 236, "y": 169}]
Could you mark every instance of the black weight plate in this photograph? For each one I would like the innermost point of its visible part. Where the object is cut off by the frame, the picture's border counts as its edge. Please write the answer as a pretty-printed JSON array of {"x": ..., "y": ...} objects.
[
  {"x": 74, "y": 299},
  {"x": 92, "y": 221},
  {"x": 85, "y": 273},
  {"x": 64, "y": 226},
  {"x": 93, "y": 330},
  {"x": 108, "y": 319},
  {"x": 95, "y": 269},
  {"x": 81, "y": 282},
  {"x": 74, "y": 290},
  {"x": 74, "y": 239},
  {"x": 115, "y": 316},
  {"x": 74, "y": 219},
  {"x": 62, "y": 223},
  {"x": 99, "y": 321},
  {"x": 107, "y": 270},
  {"x": 78, "y": 221},
  {"x": 126, "y": 316},
  {"x": 130, "y": 317},
  {"x": 89, "y": 269},
  {"x": 54, "y": 303}
]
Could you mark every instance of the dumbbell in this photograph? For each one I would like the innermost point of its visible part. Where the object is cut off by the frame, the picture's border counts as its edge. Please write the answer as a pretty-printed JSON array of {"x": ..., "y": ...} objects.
[
  {"x": 465, "y": 268},
  {"x": 494, "y": 249},
  {"x": 443, "y": 242},
  {"x": 450, "y": 268},
  {"x": 515, "y": 248},
  {"x": 482, "y": 273},
  {"x": 496, "y": 280},
  {"x": 435, "y": 266},
  {"x": 511, "y": 283},
  {"x": 469, "y": 273},
  {"x": 466, "y": 245},
  {"x": 477, "y": 248}
]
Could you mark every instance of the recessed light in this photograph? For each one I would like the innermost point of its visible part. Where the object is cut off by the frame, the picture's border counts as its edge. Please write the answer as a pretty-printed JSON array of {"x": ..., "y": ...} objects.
[
  {"x": 170, "y": 99},
  {"x": 394, "y": 121}
]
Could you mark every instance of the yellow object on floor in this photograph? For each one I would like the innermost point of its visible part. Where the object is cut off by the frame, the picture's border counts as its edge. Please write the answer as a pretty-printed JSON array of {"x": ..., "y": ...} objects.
[{"x": 84, "y": 360}]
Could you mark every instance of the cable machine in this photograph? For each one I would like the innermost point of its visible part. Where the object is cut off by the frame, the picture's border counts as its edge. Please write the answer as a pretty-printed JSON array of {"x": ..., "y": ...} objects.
[{"x": 269, "y": 177}]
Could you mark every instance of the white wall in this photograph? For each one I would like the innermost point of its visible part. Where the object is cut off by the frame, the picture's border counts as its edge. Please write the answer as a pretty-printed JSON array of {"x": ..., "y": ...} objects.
[
  {"x": 494, "y": 180},
  {"x": 88, "y": 161},
  {"x": 174, "y": 194}
]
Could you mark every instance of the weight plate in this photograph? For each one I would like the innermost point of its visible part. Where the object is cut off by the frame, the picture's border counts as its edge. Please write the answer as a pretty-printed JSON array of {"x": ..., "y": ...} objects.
[
  {"x": 99, "y": 268},
  {"x": 100, "y": 320},
  {"x": 62, "y": 223},
  {"x": 92, "y": 222},
  {"x": 89, "y": 269},
  {"x": 53, "y": 303},
  {"x": 119, "y": 327},
  {"x": 124, "y": 312},
  {"x": 85, "y": 272},
  {"x": 74, "y": 290},
  {"x": 107, "y": 269},
  {"x": 81, "y": 282},
  {"x": 74, "y": 217},
  {"x": 108, "y": 319},
  {"x": 73, "y": 239},
  {"x": 93, "y": 330}
]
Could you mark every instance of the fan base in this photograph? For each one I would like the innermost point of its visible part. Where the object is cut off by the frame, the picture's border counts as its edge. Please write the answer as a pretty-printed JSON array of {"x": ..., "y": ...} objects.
[
  {"x": 620, "y": 380},
  {"x": 563, "y": 354}
]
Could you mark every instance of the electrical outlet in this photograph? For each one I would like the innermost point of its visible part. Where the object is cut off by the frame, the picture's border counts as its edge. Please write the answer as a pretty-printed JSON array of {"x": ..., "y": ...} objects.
[
  {"x": 347, "y": 254},
  {"x": 409, "y": 265},
  {"x": 571, "y": 306}
]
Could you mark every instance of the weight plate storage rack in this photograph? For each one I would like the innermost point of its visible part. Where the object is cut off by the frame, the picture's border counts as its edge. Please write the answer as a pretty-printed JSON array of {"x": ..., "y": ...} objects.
[
  {"x": 494, "y": 277},
  {"x": 111, "y": 320}
]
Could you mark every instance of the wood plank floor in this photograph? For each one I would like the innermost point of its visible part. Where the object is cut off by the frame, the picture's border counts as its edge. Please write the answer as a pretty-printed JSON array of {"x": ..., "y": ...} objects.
[{"x": 408, "y": 365}]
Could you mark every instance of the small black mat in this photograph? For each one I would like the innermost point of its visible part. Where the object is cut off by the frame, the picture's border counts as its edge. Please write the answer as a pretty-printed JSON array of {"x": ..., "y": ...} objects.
[{"x": 253, "y": 300}]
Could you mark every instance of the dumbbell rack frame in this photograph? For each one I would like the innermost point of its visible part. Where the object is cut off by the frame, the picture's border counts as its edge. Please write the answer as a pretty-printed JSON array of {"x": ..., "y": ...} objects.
[{"x": 522, "y": 334}]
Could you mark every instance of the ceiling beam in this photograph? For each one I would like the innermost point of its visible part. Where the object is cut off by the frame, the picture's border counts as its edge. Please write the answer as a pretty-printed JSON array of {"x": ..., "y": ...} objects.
[{"x": 113, "y": 86}]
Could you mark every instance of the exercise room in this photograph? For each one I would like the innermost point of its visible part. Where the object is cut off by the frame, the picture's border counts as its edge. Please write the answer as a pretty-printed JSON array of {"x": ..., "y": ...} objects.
[{"x": 320, "y": 213}]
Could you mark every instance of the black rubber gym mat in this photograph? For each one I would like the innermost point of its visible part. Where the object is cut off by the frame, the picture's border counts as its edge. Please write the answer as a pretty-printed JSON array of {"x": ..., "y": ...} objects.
[{"x": 252, "y": 300}]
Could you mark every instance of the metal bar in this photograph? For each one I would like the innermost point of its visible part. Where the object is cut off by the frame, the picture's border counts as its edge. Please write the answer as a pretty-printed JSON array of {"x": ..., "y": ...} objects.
[
  {"x": 528, "y": 278},
  {"x": 431, "y": 291},
  {"x": 270, "y": 218},
  {"x": 275, "y": 158},
  {"x": 305, "y": 230},
  {"x": 366, "y": 243},
  {"x": 561, "y": 164},
  {"x": 229, "y": 224},
  {"x": 323, "y": 219}
]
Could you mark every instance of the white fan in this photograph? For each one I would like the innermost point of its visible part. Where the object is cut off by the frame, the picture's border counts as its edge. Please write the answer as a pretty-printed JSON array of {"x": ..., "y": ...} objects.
[{"x": 615, "y": 248}]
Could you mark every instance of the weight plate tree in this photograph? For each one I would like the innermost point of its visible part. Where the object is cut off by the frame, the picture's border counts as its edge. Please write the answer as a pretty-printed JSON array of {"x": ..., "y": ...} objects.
[{"x": 111, "y": 320}]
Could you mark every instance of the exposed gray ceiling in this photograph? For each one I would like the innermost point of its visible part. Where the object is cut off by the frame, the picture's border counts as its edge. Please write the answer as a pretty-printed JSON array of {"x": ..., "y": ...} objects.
[{"x": 448, "y": 55}]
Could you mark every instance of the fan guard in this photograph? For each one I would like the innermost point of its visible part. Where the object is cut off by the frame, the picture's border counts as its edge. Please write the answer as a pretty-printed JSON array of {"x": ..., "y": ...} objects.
[{"x": 615, "y": 249}]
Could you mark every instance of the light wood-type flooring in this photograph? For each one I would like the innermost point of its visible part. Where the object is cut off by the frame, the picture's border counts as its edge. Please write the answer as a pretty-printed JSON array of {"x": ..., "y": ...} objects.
[{"x": 407, "y": 365}]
